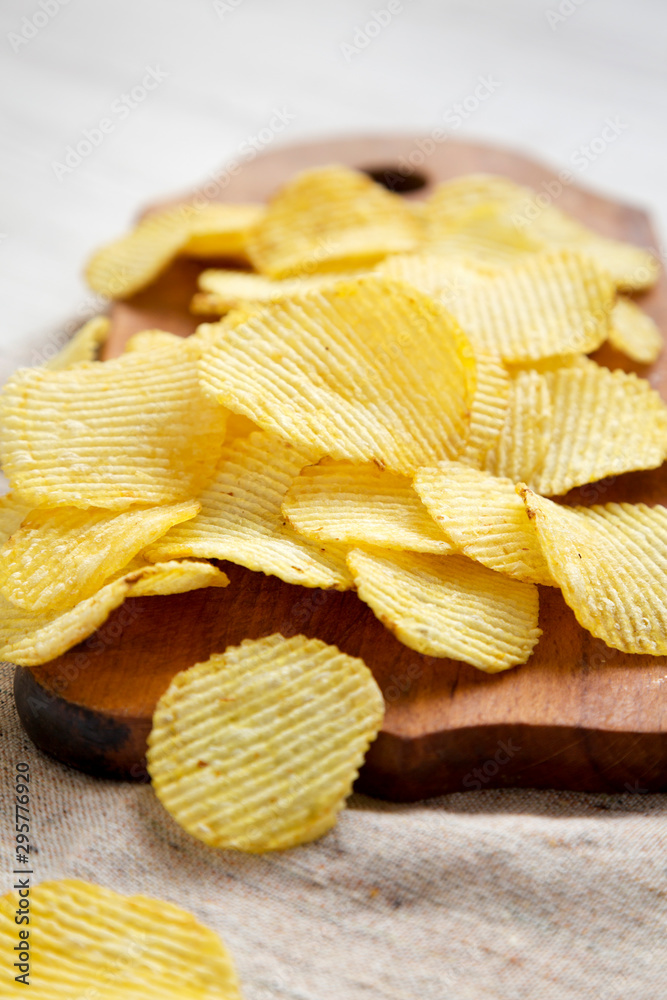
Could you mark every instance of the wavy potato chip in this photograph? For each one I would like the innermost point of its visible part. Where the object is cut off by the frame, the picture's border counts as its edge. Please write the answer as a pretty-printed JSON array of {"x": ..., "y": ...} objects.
[
  {"x": 151, "y": 340},
  {"x": 29, "y": 638},
  {"x": 449, "y": 606},
  {"x": 88, "y": 941},
  {"x": 257, "y": 748},
  {"x": 12, "y": 511},
  {"x": 330, "y": 219},
  {"x": 489, "y": 409},
  {"x": 222, "y": 229},
  {"x": 83, "y": 346},
  {"x": 485, "y": 520},
  {"x": 524, "y": 438},
  {"x": 225, "y": 290},
  {"x": 442, "y": 277},
  {"x": 63, "y": 555},
  {"x": 241, "y": 519},
  {"x": 367, "y": 370},
  {"x": 634, "y": 332},
  {"x": 611, "y": 564},
  {"x": 136, "y": 429},
  {"x": 361, "y": 505}
]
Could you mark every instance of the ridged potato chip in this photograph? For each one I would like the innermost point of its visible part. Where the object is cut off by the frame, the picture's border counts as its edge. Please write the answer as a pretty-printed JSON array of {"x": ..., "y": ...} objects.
[
  {"x": 523, "y": 440},
  {"x": 83, "y": 346},
  {"x": 63, "y": 555},
  {"x": 241, "y": 519},
  {"x": 449, "y": 606},
  {"x": 442, "y": 277},
  {"x": 367, "y": 370},
  {"x": 488, "y": 412},
  {"x": 29, "y": 638},
  {"x": 86, "y": 941},
  {"x": 330, "y": 219},
  {"x": 151, "y": 340},
  {"x": 634, "y": 332},
  {"x": 257, "y": 748},
  {"x": 611, "y": 564},
  {"x": 225, "y": 290},
  {"x": 361, "y": 505},
  {"x": 121, "y": 268},
  {"x": 485, "y": 520},
  {"x": 12, "y": 511},
  {"x": 136, "y": 429}
]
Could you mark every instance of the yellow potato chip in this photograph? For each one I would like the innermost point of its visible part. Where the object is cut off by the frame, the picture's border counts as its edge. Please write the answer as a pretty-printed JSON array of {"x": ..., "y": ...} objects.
[
  {"x": 123, "y": 267},
  {"x": 238, "y": 426},
  {"x": 442, "y": 277},
  {"x": 83, "y": 346},
  {"x": 330, "y": 219},
  {"x": 484, "y": 518},
  {"x": 611, "y": 564},
  {"x": 85, "y": 941},
  {"x": 257, "y": 749},
  {"x": 12, "y": 511},
  {"x": 449, "y": 606},
  {"x": 459, "y": 202},
  {"x": 224, "y": 290},
  {"x": 634, "y": 332},
  {"x": 133, "y": 430},
  {"x": 361, "y": 505},
  {"x": 367, "y": 370},
  {"x": 522, "y": 443},
  {"x": 31, "y": 637},
  {"x": 241, "y": 519},
  {"x": 61, "y": 556},
  {"x": 488, "y": 412},
  {"x": 151, "y": 340}
]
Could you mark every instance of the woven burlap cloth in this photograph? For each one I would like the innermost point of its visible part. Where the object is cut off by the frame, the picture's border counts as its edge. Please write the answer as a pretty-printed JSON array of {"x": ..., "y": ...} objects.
[{"x": 492, "y": 894}]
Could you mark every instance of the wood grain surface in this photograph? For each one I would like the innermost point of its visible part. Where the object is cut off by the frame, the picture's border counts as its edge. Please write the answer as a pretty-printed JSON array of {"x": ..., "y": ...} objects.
[{"x": 578, "y": 715}]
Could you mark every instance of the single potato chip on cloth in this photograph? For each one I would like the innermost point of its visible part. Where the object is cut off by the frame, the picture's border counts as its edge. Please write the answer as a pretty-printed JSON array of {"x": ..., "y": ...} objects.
[
  {"x": 361, "y": 505},
  {"x": 136, "y": 429},
  {"x": 449, "y": 606},
  {"x": 63, "y": 555},
  {"x": 485, "y": 519},
  {"x": 331, "y": 218},
  {"x": 611, "y": 564},
  {"x": 241, "y": 518},
  {"x": 88, "y": 941},
  {"x": 29, "y": 638},
  {"x": 634, "y": 332},
  {"x": 367, "y": 370},
  {"x": 121, "y": 268},
  {"x": 519, "y": 449},
  {"x": 83, "y": 346},
  {"x": 257, "y": 748}
]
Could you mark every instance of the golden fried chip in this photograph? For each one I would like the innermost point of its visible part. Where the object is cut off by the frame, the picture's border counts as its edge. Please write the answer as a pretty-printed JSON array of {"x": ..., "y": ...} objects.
[
  {"x": 442, "y": 277},
  {"x": 634, "y": 332},
  {"x": 85, "y": 941},
  {"x": 221, "y": 229},
  {"x": 133, "y": 430},
  {"x": 224, "y": 290},
  {"x": 241, "y": 519},
  {"x": 151, "y": 340},
  {"x": 488, "y": 412},
  {"x": 31, "y": 637},
  {"x": 459, "y": 202},
  {"x": 611, "y": 564},
  {"x": 257, "y": 748},
  {"x": 369, "y": 369},
  {"x": 484, "y": 518},
  {"x": 61, "y": 556},
  {"x": 522, "y": 443},
  {"x": 361, "y": 505},
  {"x": 12, "y": 511},
  {"x": 83, "y": 346},
  {"x": 330, "y": 219},
  {"x": 449, "y": 606}
]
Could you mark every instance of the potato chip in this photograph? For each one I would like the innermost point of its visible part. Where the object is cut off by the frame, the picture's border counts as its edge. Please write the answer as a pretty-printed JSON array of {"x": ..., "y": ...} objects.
[
  {"x": 123, "y": 267},
  {"x": 225, "y": 290},
  {"x": 12, "y": 511},
  {"x": 459, "y": 202},
  {"x": 361, "y": 505},
  {"x": 238, "y": 426},
  {"x": 133, "y": 430},
  {"x": 488, "y": 412},
  {"x": 611, "y": 564},
  {"x": 241, "y": 519},
  {"x": 61, "y": 556},
  {"x": 151, "y": 340},
  {"x": 484, "y": 518},
  {"x": 83, "y": 346},
  {"x": 634, "y": 332},
  {"x": 442, "y": 277},
  {"x": 257, "y": 748},
  {"x": 86, "y": 941},
  {"x": 330, "y": 219},
  {"x": 522, "y": 443},
  {"x": 449, "y": 606},
  {"x": 32, "y": 637},
  {"x": 367, "y": 370}
]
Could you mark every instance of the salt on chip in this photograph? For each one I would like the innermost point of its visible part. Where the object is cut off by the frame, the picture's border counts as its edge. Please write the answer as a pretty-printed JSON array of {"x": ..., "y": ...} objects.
[
  {"x": 361, "y": 505},
  {"x": 634, "y": 332},
  {"x": 330, "y": 218},
  {"x": 83, "y": 346},
  {"x": 449, "y": 606},
  {"x": 484, "y": 518},
  {"x": 88, "y": 941},
  {"x": 367, "y": 370},
  {"x": 611, "y": 564},
  {"x": 257, "y": 748},
  {"x": 63, "y": 555},
  {"x": 151, "y": 340},
  {"x": 29, "y": 638},
  {"x": 241, "y": 519},
  {"x": 523, "y": 440},
  {"x": 136, "y": 429}
]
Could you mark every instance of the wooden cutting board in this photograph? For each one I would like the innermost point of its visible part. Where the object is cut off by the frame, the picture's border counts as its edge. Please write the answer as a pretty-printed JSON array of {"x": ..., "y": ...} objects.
[{"x": 578, "y": 715}]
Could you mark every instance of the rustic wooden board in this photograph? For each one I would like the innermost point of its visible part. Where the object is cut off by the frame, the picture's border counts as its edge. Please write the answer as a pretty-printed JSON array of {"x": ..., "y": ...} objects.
[{"x": 578, "y": 716}]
